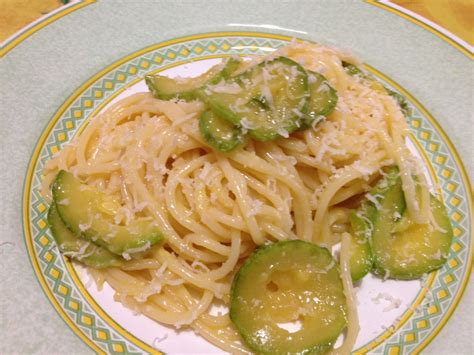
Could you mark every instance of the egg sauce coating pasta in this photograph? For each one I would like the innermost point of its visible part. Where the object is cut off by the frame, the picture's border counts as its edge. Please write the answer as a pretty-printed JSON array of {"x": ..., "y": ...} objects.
[{"x": 215, "y": 208}]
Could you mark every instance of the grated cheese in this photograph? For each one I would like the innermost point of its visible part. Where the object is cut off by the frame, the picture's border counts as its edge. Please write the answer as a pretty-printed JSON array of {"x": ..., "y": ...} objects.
[
  {"x": 267, "y": 94},
  {"x": 434, "y": 224},
  {"x": 294, "y": 72},
  {"x": 363, "y": 169},
  {"x": 245, "y": 123},
  {"x": 207, "y": 167},
  {"x": 322, "y": 88},
  {"x": 394, "y": 303},
  {"x": 370, "y": 225},
  {"x": 144, "y": 247},
  {"x": 225, "y": 88},
  {"x": 158, "y": 340},
  {"x": 80, "y": 254},
  {"x": 283, "y": 132},
  {"x": 256, "y": 208},
  {"x": 314, "y": 124},
  {"x": 297, "y": 113},
  {"x": 373, "y": 199},
  {"x": 64, "y": 202},
  {"x": 85, "y": 226},
  {"x": 123, "y": 212},
  {"x": 141, "y": 206}
]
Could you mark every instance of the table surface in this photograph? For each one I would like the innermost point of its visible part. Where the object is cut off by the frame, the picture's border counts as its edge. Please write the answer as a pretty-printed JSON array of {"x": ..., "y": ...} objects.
[{"x": 457, "y": 16}]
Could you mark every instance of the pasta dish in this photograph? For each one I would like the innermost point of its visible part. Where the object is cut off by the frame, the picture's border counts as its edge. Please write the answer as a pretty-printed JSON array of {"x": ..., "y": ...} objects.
[{"x": 168, "y": 195}]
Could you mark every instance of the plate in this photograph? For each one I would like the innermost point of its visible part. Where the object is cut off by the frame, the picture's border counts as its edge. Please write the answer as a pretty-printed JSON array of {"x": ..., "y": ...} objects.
[
  {"x": 53, "y": 75},
  {"x": 106, "y": 326}
]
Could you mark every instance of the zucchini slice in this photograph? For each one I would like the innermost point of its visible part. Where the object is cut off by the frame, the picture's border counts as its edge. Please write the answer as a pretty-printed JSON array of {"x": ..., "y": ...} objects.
[
  {"x": 165, "y": 88},
  {"x": 83, "y": 209},
  {"x": 403, "y": 249},
  {"x": 361, "y": 257},
  {"x": 362, "y": 227},
  {"x": 289, "y": 281},
  {"x": 282, "y": 83},
  {"x": 322, "y": 101},
  {"x": 219, "y": 133},
  {"x": 77, "y": 248},
  {"x": 352, "y": 69}
]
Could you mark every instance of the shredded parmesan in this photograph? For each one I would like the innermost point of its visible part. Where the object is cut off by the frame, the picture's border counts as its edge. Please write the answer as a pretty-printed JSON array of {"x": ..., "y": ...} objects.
[
  {"x": 363, "y": 169},
  {"x": 225, "y": 88},
  {"x": 394, "y": 303},
  {"x": 85, "y": 226},
  {"x": 373, "y": 199},
  {"x": 144, "y": 247},
  {"x": 81, "y": 253},
  {"x": 267, "y": 94},
  {"x": 256, "y": 208},
  {"x": 283, "y": 132},
  {"x": 64, "y": 202},
  {"x": 159, "y": 340}
]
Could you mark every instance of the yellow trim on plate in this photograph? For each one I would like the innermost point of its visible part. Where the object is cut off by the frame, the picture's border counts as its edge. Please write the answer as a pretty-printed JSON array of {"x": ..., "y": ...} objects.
[
  {"x": 34, "y": 262},
  {"x": 42, "y": 23},
  {"x": 104, "y": 315},
  {"x": 426, "y": 26},
  {"x": 403, "y": 319},
  {"x": 86, "y": 85}
]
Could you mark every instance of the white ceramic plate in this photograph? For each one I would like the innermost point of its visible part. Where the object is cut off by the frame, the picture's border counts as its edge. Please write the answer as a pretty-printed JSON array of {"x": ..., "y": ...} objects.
[{"x": 106, "y": 325}]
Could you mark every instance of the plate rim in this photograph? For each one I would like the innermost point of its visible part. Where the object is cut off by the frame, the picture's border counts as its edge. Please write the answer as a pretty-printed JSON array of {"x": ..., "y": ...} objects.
[
  {"x": 24, "y": 33},
  {"x": 18, "y": 37},
  {"x": 47, "y": 130}
]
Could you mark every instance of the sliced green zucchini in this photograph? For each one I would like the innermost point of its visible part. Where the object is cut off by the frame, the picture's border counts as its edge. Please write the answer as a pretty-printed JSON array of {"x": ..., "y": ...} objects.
[
  {"x": 322, "y": 101},
  {"x": 284, "y": 282},
  {"x": 165, "y": 88},
  {"x": 352, "y": 69},
  {"x": 86, "y": 212},
  {"x": 403, "y": 249},
  {"x": 77, "y": 248},
  {"x": 262, "y": 101},
  {"x": 362, "y": 227},
  {"x": 219, "y": 133},
  {"x": 361, "y": 257},
  {"x": 282, "y": 83},
  {"x": 406, "y": 250}
]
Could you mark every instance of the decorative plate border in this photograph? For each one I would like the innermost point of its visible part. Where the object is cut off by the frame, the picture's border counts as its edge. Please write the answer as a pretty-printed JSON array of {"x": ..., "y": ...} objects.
[{"x": 434, "y": 304}]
